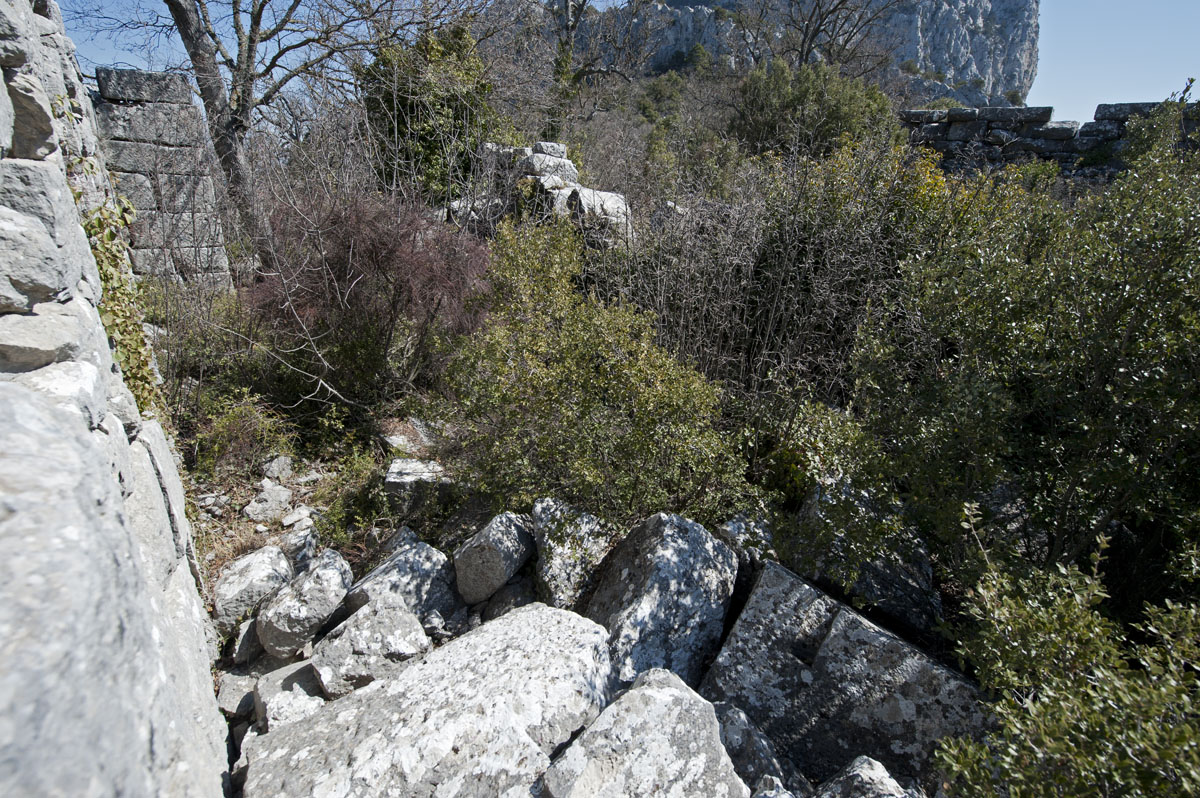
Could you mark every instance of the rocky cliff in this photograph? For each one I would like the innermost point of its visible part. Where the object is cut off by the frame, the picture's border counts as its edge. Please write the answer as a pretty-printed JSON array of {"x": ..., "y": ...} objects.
[
  {"x": 977, "y": 51},
  {"x": 105, "y": 682}
]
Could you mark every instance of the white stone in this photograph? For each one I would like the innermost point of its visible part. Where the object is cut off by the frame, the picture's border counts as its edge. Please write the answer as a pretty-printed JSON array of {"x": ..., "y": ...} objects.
[
  {"x": 374, "y": 643},
  {"x": 245, "y": 583},
  {"x": 492, "y": 556},
  {"x": 289, "y": 619}
]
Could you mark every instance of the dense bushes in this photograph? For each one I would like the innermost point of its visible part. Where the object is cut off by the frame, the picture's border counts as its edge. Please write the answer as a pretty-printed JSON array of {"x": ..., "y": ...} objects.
[
  {"x": 810, "y": 108},
  {"x": 560, "y": 394}
]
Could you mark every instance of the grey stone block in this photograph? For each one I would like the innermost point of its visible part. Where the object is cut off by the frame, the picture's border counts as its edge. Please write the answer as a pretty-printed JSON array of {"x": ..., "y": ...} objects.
[
  {"x": 1019, "y": 116},
  {"x": 1122, "y": 112},
  {"x": 156, "y": 123},
  {"x": 156, "y": 229},
  {"x": 138, "y": 189},
  {"x": 148, "y": 159},
  {"x": 1055, "y": 131},
  {"x": 1105, "y": 129},
  {"x": 962, "y": 114},
  {"x": 966, "y": 131},
  {"x": 135, "y": 85},
  {"x": 918, "y": 116}
]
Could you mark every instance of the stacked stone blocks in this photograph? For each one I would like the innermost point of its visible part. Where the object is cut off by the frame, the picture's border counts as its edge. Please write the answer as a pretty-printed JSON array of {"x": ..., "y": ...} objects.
[
  {"x": 995, "y": 135},
  {"x": 155, "y": 144}
]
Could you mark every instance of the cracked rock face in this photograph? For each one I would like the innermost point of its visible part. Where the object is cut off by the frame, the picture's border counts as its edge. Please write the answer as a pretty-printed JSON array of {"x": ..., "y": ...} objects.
[
  {"x": 373, "y": 643},
  {"x": 570, "y": 545},
  {"x": 659, "y": 739},
  {"x": 290, "y": 618},
  {"x": 825, "y": 685},
  {"x": 479, "y": 716},
  {"x": 416, "y": 572},
  {"x": 662, "y": 593},
  {"x": 486, "y": 562},
  {"x": 246, "y": 582}
]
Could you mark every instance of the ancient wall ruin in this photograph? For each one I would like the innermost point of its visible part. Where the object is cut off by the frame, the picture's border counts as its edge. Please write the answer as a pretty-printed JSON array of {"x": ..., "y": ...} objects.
[
  {"x": 996, "y": 136},
  {"x": 156, "y": 146}
]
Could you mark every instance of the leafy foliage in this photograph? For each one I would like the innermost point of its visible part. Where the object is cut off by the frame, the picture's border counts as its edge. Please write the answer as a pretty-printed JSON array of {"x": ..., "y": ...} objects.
[
  {"x": 120, "y": 307},
  {"x": 562, "y": 395},
  {"x": 809, "y": 108},
  {"x": 427, "y": 104}
]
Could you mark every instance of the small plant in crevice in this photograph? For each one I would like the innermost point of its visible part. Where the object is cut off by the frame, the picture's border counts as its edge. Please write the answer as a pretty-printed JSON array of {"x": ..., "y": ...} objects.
[{"x": 120, "y": 307}]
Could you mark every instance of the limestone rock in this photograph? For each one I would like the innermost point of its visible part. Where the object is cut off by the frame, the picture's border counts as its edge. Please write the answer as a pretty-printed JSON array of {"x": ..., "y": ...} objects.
[
  {"x": 551, "y": 148},
  {"x": 478, "y": 716},
  {"x": 135, "y": 85},
  {"x": 492, "y": 556},
  {"x": 662, "y": 593},
  {"x": 246, "y": 647},
  {"x": 602, "y": 213},
  {"x": 374, "y": 643},
  {"x": 412, "y": 483},
  {"x": 515, "y": 594},
  {"x": 287, "y": 695},
  {"x": 863, "y": 778},
  {"x": 289, "y": 619},
  {"x": 245, "y": 583},
  {"x": 235, "y": 694},
  {"x": 570, "y": 545},
  {"x": 659, "y": 738},
  {"x": 30, "y": 269},
  {"x": 33, "y": 126},
  {"x": 418, "y": 573},
  {"x": 300, "y": 546},
  {"x": 77, "y": 387},
  {"x": 270, "y": 504},
  {"x": 278, "y": 468},
  {"x": 542, "y": 165},
  {"x": 752, "y": 753},
  {"x": 826, "y": 685}
]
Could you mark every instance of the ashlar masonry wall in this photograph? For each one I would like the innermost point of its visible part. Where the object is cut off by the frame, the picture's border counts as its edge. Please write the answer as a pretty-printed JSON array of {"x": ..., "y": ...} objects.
[
  {"x": 995, "y": 136},
  {"x": 154, "y": 139}
]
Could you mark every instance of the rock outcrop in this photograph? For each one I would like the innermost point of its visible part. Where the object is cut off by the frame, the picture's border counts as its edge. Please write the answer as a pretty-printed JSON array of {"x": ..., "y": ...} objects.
[
  {"x": 662, "y": 593},
  {"x": 978, "y": 51},
  {"x": 827, "y": 686},
  {"x": 373, "y": 643},
  {"x": 658, "y": 739},
  {"x": 479, "y": 716},
  {"x": 105, "y": 648}
]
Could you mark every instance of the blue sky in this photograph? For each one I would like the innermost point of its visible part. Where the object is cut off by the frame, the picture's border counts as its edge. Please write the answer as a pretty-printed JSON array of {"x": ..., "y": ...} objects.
[
  {"x": 1102, "y": 51},
  {"x": 1091, "y": 51}
]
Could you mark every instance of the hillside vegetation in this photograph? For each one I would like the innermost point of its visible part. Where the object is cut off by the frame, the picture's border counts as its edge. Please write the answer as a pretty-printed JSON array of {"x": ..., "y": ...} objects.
[{"x": 812, "y": 323}]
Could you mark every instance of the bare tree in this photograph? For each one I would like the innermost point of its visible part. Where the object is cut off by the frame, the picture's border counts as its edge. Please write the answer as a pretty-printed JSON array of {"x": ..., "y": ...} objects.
[
  {"x": 246, "y": 53},
  {"x": 839, "y": 32}
]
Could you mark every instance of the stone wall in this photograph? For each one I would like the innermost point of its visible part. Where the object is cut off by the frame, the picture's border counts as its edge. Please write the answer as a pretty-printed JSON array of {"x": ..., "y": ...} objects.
[
  {"x": 105, "y": 647},
  {"x": 156, "y": 145},
  {"x": 996, "y": 136}
]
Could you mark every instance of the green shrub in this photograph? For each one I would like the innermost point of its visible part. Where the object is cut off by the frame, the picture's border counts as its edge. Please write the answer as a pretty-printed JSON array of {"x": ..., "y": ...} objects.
[
  {"x": 353, "y": 503},
  {"x": 120, "y": 307},
  {"x": 427, "y": 104},
  {"x": 561, "y": 395},
  {"x": 240, "y": 432},
  {"x": 1082, "y": 710},
  {"x": 810, "y": 108}
]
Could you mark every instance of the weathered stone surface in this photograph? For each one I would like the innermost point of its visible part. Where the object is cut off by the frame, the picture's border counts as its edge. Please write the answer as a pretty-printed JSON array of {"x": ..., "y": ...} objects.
[
  {"x": 1057, "y": 131},
  {"x": 603, "y": 211},
  {"x": 300, "y": 545},
  {"x": 771, "y": 787},
  {"x": 135, "y": 85},
  {"x": 659, "y": 738},
  {"x": 77, "y": 387},
  {"x": 374, "y": 643},
  {"x": 752, "y": 752},
  {"x": 570, "y": 545},
  {"x": 246, "y": 647},
  {"x": 486, "y": 562},
  {"x": 278, "y": 468},
  {"x": 145, "y": 158},
  {"x": 508, "y": 598},
  {"x": 33, "y": 121},
  {"x": 551, "y": 148},
  {"x": 31, "y": 270},
  {"x": 478, "y": 716},
  {"x": 38, "y": 189},
  {"x": 235, "y": 694},
  {"x": 825, "y": 685},
  {"x": 271, "y": 504},
  {"x": 1016, "y": 116},
  {"x": 662, "y": 593},
  {"x": 156, "y": 123},
  {"x": 418, "y": 573},
  {"x": 287, "y": 695},
  {"x": 922, "y": 116},
  {"x": 78, "y": 614},
  {"x": 289, "y": 619},
  {"x": 966, "y": 131},
  {"x": 412, "y": 482},
  {"x": 245, "y": 583},
  {"x": 962, "y": 114},
  {"x": 16, "y": 33},
  {"x": 148, "y": 518},
  {"x": 863, "y": 778},
  {"x": 542, "y": 165},
  {"x": 52, "y": 333},
  {"x": 1123, "y": 112}
]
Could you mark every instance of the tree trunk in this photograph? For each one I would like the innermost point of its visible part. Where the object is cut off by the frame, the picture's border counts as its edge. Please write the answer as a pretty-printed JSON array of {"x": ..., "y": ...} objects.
[{"x": 227, "y": 127}]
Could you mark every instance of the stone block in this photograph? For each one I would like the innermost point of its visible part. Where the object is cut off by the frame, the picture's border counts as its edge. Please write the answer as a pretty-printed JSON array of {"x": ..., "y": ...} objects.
[
  {"x": 1054, "y": 131},
  {"x": 152, "y": 262},
  {"x": 966, "y": 131},
  {"x": 1122, "y": 112},
  {"x": 135, "y": 85},
  {"x": 138, "y": 189},
  {"x": 157, "y": 229},
  {"x": 1016, "y": 116},
  {"x": 962, "y": 114},
  {"x": 31, "y": 269},
  {"x": 149, "y": 159},
  {"x": 933, "y": 131},
  {"x": 1105, "y": 129},
  {"x": 33, "y": 134},
  {"x": 155, "y": 123},
  {"x": 186, "y": 193},
  {"x": 916, "y": 116}
]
